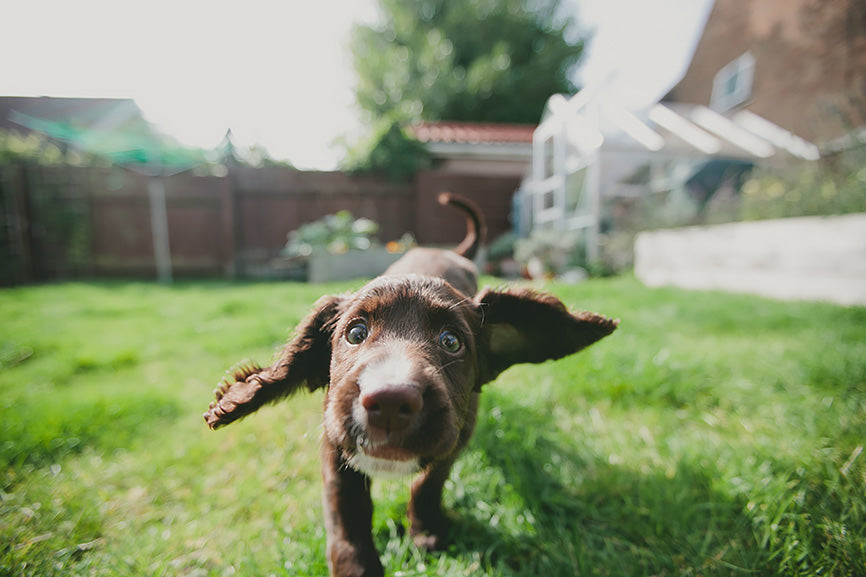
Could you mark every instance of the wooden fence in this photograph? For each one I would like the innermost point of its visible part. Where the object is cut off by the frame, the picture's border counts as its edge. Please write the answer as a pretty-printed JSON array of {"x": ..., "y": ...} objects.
[{"x": 73, "y": 222}]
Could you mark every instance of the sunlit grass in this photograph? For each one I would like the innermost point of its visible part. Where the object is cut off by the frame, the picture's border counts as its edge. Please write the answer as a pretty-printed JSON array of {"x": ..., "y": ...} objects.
[{"x": 712, "y": 434}]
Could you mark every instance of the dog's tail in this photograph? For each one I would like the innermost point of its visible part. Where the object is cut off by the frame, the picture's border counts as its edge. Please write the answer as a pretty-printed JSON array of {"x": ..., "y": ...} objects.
[{"x": 476, "y": 230}]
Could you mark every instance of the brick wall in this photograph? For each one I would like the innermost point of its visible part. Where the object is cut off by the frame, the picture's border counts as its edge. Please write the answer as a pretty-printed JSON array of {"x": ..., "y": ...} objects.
[
  {"x": 810, "y": 61},
  {"x": 437, "y": 225}
]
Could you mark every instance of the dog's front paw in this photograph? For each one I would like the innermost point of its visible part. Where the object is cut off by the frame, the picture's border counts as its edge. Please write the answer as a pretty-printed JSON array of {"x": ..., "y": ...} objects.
[
  {"x": 346, "y": 559},
  {"x": 233, "y": 398},
  {"x": 432, "y": 534},
  {"x": 430, "y": 542}
]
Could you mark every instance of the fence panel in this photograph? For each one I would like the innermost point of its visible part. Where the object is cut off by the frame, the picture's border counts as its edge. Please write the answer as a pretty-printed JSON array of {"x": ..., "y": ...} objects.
[{"x": 63, "y": 222}]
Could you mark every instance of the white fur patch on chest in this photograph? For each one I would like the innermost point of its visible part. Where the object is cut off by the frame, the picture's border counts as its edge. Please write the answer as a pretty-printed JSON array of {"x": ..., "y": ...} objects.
[{"x": 375, "y": 467}]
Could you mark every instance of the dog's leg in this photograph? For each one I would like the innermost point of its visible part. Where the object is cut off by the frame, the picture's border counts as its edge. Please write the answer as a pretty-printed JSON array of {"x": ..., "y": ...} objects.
[
  {"x": 428, "y": 524},
  {"x": 348, "y": 518}
]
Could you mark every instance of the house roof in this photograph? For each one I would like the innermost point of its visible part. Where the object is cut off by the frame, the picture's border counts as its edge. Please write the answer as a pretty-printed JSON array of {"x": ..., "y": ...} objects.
[
  {"x": 677, "y": 128},
  {"x": 473, "y": 133}
]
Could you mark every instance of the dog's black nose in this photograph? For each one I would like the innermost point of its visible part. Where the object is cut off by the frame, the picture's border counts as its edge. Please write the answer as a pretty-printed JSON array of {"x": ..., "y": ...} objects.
[{"x": 392, "y": 408}]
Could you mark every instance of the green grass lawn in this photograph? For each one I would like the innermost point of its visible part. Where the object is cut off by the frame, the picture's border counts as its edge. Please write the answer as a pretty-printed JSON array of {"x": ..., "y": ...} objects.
[{"x": 712, "y": 434}]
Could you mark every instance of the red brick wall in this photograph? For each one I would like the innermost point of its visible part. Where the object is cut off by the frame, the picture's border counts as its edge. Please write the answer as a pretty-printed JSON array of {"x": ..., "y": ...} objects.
[
  {"x": 810, "y": 70},
  {"x": 438, "y": 225}
]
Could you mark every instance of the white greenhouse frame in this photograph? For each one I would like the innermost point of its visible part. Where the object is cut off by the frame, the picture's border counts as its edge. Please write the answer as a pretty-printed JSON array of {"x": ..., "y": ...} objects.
[{"x": 580, "y": 135}]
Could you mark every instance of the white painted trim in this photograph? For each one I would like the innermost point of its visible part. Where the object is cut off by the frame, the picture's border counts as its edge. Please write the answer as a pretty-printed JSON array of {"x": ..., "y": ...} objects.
[
  {"x": 718, "y": 124},
  {"x": 680, "y": 126},
  {"x": 776, "y": 134}
]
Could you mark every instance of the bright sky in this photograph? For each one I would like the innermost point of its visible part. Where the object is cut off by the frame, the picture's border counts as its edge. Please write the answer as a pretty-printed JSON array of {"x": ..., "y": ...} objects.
[
  {"x": 640, "y": 48},
  {"x": 278, "y": 73}
]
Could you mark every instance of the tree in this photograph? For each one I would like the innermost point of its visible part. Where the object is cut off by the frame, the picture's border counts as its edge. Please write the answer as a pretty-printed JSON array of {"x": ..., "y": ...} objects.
[
  {"x": 388, "y": 151},
  {"x": 474, "y": 60}
]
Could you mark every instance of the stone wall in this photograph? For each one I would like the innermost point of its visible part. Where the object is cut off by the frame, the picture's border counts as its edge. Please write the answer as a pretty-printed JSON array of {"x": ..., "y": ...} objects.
[{"x": 813, "y": 258}]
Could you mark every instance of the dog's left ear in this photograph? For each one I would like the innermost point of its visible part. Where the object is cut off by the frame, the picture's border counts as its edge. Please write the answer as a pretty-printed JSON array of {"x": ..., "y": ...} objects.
[
  {"x": 522, "y": 326},
  {"x": 304, "y": 362}
]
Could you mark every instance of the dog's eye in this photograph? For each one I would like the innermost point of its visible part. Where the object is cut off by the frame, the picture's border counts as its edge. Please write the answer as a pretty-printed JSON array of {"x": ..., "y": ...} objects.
[
  {"x": 357, "y": 333},
  {"x": 450, "y": 342}
]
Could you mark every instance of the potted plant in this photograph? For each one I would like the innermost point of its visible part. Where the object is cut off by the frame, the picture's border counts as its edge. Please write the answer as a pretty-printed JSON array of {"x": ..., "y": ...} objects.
[{"x": 341, "y": 247}]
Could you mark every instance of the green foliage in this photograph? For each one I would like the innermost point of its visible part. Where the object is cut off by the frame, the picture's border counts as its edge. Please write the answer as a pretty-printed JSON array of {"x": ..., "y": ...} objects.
[
  {"x": 548, "y": 253},
  {"x": 502, "y": 247},
  {"x": 837, "y": 186},
  {"x": 548, "y": 250},
  {"x": 37, "y": 149},
  {"x": 335, "y": 233},
  {"x": 481, "y": 60},
  {"x": 61, "y": 232},
  {"x": 831, "y": 186},
  {"x": 712, "y": 434},
  {"x": 390, "y": 151}
]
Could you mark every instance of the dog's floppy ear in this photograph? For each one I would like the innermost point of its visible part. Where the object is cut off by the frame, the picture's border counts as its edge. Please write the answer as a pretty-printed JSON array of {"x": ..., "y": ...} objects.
[
  {"x": 522, "y": 326},
  {"x": 304, "y": 362}
]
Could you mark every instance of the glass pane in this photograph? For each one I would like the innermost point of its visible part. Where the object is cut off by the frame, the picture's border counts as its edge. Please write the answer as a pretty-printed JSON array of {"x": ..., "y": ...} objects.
[{"x": 574, "y": 187}]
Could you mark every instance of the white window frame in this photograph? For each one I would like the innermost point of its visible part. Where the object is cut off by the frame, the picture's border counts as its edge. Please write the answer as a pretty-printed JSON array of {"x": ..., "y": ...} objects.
[{"x": 732, "y": 85}]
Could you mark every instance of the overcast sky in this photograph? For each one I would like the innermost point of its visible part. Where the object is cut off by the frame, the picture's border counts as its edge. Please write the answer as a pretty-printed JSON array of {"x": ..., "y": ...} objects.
[
  {"x": 280, "y": 73},
  {"x": 639, "y": 48}
]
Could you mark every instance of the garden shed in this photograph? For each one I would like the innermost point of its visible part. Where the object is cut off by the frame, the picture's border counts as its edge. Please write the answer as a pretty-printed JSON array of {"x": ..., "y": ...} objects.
[{"x": 589, "y": 152}]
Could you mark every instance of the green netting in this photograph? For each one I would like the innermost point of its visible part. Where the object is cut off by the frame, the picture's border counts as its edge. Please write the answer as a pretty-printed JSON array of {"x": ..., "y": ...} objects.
[{"x": 135, "y": 143}]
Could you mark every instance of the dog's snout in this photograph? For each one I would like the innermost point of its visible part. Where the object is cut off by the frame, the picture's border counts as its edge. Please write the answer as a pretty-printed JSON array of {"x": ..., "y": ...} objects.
[{"x": 392, "y": 408}]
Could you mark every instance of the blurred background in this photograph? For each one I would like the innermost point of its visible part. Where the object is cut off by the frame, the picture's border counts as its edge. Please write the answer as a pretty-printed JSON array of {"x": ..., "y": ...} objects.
[
  {"x": 705, "y": 144},
  {"x": 191, "y": 140}
]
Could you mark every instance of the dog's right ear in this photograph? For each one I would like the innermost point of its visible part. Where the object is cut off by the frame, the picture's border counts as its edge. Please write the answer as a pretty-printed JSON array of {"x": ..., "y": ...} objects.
[
  {"x": 523, "y": 326},
  {"x": 304, "y": 362}
]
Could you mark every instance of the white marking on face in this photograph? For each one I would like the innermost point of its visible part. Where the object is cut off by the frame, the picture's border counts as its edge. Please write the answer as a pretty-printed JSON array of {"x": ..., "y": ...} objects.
[{"x": 394, "y": 369}]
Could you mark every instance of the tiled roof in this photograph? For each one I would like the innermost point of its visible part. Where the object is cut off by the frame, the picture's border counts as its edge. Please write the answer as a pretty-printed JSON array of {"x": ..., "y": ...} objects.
[{"x": 473, "y": 133}]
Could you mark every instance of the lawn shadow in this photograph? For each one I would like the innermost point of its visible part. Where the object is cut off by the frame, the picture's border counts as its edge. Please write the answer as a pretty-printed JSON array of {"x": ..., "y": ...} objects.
[{"x": 538, "y": 506}]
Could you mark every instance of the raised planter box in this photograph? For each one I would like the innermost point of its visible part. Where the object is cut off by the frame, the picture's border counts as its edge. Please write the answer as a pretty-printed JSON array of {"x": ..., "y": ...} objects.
[
  {"x": 326, "y": 267},
  {"x": 812, "y": 258}
]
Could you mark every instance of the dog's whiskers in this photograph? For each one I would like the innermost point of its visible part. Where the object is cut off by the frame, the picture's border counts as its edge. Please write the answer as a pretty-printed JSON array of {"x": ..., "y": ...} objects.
[
  {"x": 460, "y": 303},
  {"x": 439, "y": 369}
]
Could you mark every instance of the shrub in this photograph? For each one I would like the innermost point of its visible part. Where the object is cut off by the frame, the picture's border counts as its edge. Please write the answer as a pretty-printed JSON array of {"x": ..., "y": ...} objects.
[
  {"x": 335, "y": 233},
  {"x": 390, "y": 152},
  {"x": 836, "y": 186},
  {"x": 548, "y": 252}
]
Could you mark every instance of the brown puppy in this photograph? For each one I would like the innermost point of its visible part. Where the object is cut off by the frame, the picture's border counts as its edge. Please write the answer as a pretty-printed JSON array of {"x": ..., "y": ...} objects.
[{"x": 402, "y": 362}]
